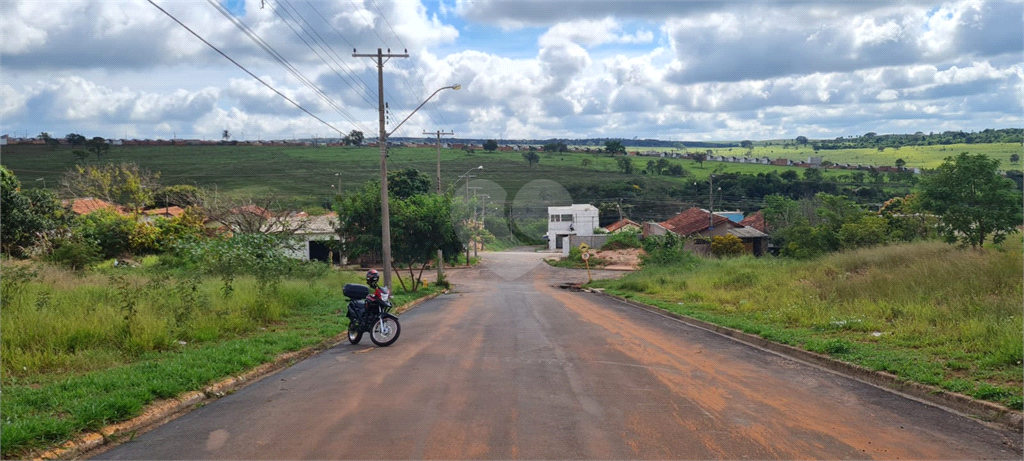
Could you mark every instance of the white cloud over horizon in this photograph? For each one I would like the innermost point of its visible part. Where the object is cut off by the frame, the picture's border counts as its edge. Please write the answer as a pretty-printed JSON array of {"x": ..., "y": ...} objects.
[{"x": 529, "y": 69}]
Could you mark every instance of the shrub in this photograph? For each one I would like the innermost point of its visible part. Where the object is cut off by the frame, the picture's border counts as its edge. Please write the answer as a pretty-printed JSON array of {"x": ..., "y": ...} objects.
[
  {"x": 662, "y": 250},
  {"x": 76, "y": 254},
  {"x": 727, "y": 245},
  {"x": 622, "y": 240}
]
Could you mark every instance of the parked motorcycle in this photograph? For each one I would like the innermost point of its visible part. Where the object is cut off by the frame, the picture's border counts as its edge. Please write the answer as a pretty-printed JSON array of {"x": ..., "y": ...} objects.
[{"x": 370, "y": 313}]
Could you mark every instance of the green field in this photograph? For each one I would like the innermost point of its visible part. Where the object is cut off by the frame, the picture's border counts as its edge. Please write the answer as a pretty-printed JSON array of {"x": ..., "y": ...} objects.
[
  {"x": 915, "y": 156},
  {"x": 310, "y": 172}
]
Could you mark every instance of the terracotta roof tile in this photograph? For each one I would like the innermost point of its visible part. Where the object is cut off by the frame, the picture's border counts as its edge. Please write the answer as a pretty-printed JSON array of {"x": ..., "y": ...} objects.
[
  {"x": 620, "y": 224},
  {"x": 755, "y": 220},
  {"x": 692, "y": 221}
]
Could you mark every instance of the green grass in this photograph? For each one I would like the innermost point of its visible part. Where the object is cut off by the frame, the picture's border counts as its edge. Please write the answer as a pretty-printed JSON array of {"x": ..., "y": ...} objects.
[
  {"x": 71, "y": 362},
  {"x": 306, "y": 174},
  {"x": 927, "y": 312}
]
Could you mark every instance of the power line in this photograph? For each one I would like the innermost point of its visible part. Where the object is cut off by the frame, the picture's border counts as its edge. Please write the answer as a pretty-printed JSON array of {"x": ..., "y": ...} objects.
[
  {"x": 282, "y": 60},
  {"x": 321, "y": 43},
  {"x": 244, "y": 69}
]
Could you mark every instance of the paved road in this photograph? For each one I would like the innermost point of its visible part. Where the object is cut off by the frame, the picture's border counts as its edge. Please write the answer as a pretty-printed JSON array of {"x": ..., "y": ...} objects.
[{"x": 510, "y": 367}]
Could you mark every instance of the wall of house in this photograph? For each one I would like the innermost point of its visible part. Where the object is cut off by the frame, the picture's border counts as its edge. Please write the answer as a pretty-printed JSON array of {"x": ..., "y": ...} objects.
[{"x": 573, "y": 241}]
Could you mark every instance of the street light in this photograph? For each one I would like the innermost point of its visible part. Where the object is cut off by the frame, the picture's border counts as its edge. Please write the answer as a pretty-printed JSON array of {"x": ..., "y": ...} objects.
[
  {"x": 385, "y": 210},
  {"x": 464, "y": 175}
]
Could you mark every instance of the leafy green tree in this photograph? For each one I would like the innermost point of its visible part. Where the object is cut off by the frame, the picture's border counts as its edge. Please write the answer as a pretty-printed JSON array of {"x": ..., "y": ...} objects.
[
  {"x": 813, "y": 174},
  {"x": 74, "y": 139},
  {"x": 531, "y": 158},
  {"x": 123, "y": 184},
  {"x": 974, "y": 201},
  {"x": 353, "y": 138},
  {"x": 421, "y": 225},
  {"x": 407, "y": 182},
  {"x": 900, "y": 163},
  {"x": 97, "y": 146},
  {"x": 1014, "y": 158},
  {"x": 614, "y": 148},
  {"x": 790, "y": 175},
  {"x": 27, "y": 215},
  {"x": 700, "y": 159},
  {"x": 802, "y": 140},
  {"x": 490, "y": 145},
  {"x": 359, "y": 221},
  {"x": 625, "y": 164}
]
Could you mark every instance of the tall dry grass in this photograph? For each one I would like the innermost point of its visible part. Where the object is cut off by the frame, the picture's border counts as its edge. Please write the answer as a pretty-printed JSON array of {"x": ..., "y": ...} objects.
[
  {"x": 57, "y": 321},
  {"x": 959, "y": 310}
]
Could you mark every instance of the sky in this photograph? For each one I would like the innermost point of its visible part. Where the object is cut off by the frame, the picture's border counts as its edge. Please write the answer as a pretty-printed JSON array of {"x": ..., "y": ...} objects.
[{"x": 528, "y": 69}]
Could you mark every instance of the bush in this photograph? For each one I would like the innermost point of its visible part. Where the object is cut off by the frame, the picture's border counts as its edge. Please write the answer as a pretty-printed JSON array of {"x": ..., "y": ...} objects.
[
  {"x": 76, "y": 254},
  {"x": 727, "y": 245},
  {"x": 622, "y": 240},
  {"x": 662, "y": 250}
]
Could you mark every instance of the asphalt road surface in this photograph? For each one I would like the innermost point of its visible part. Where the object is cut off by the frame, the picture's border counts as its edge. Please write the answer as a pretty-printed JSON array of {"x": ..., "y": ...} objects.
[{"x": 511, "y": 367}]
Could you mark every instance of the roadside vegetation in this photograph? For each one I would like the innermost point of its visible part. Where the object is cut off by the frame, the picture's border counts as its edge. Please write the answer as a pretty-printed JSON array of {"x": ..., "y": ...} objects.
[
  {"x": 925, "y": 311},
  {"x": 82, "y": 349},
  {"x": 877, "y": 289}
]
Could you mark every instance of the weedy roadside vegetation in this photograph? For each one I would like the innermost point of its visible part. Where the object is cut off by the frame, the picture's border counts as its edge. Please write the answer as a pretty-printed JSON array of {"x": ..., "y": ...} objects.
[
  {"x": 924, "y": 311},
  {"x": 84, "y": 349}
]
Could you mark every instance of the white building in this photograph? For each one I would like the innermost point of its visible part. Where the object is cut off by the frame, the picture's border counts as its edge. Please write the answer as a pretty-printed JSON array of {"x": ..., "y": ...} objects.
[{"x": 575, "y": 219}]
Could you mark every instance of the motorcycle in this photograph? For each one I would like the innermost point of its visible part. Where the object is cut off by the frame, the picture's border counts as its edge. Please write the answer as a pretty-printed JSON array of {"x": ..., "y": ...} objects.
[{"x": 370, "y": 313}]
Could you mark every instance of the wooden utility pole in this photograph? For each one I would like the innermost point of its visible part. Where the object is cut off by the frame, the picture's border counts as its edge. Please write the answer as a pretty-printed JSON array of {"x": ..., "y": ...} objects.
[
  {"x": 440, "y": 254},
  {"x": 385, "y": 211}
]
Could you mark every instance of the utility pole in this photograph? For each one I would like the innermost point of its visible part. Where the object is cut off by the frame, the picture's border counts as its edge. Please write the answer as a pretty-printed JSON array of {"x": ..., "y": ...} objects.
[
  {"x": 385, "y": 211},
  {"x": 711, "y": 201},
  {"x": 440, "y": 253}
]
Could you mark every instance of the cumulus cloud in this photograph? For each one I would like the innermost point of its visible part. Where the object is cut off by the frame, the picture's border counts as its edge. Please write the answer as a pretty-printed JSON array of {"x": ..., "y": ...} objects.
[{"x": 531, "y": 68}]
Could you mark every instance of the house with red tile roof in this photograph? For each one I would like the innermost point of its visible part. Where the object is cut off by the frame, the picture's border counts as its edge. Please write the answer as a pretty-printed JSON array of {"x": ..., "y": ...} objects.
[
  {"x": 699, "y": 227},
  {"x": 624, "y": 224},
  {"x": 84, "y": 206}
]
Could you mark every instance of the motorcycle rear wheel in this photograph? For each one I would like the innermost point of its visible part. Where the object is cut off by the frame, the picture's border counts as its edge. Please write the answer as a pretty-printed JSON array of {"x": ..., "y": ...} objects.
[
  {"x": 385, "y": 331},
  {"x": 354, "y": 334}
]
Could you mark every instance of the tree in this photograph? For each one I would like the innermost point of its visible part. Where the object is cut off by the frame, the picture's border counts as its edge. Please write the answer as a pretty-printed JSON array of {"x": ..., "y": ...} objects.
[
  {"x": 614, "y": 148},
  {"x": 585, "y": 162},
  {"x": 123, "y": 184},
  {"x": 490, "y": 145},
  {"x": 973, "y": 200},
  {"x": 421, "y": 225},
  {"x": 625, "y": 164},
  {"x": 700, "y": 159},
  {"x": 900, "y": 163},
  {"x": 531, "y": 158},
  {"x": 98, "y": 146},
  {"x": 226, "y": 135},
  {"x": 1014, "y": 158},
  {"x": 74, "y": 139},
  {"x": 801, "y": 140},
  {"x": 353, "y": 138},
  {"x": 407, "y": 182},
  {"x": 790, "y": 175},
  {"x": 27, "y": 216}
]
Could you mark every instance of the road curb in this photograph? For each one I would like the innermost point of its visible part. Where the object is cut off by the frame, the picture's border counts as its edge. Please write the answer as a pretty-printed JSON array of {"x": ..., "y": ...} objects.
[
  {"x": 979, "y": 409},
  {"x": 162, "y": 411}
]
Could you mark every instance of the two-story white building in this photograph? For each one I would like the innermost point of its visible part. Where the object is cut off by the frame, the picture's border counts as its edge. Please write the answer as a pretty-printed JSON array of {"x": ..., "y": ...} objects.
[{"x": 575, "y": 219}]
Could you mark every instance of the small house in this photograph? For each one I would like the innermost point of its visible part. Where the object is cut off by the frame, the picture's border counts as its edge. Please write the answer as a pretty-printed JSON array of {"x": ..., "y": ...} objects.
[{"x": 576, "y": 219}]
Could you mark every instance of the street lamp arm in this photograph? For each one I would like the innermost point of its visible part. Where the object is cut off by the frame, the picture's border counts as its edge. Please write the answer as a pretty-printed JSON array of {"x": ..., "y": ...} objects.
[{"x": 452, "y": 87}]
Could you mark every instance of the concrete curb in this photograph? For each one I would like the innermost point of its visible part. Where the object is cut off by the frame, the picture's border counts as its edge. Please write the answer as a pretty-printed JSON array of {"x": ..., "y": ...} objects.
[
  {"x": 979, "y": 409},
  {"x": 162, "y": 411}
]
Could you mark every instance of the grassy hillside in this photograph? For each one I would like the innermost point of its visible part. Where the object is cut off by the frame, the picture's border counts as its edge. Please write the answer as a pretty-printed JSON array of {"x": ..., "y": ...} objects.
[
  {"x": 310, "y": 172},
  {"x": 927, "y": 312}
]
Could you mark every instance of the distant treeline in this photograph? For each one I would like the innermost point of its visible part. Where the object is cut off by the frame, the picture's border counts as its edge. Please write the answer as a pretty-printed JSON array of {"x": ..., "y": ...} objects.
[
  {"x": 872, "y": 140},
  {"x": 867, "y": 140}
]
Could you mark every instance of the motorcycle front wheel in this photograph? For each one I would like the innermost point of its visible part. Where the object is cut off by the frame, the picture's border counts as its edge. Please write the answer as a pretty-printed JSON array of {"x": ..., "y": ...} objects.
[
  {"x": 385, "y": 331},
  {"x": 354, "y": 334}
]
